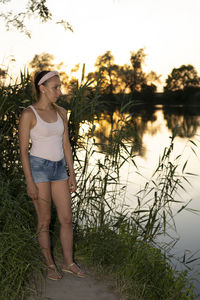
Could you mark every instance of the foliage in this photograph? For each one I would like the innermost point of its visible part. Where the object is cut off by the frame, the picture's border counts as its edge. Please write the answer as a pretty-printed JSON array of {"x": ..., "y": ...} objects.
[
  {"x": 181, "y": 78},
  {"x": 20, "y": 258},
  {"x": 107, "y": 229},
  {"x": 140, "y": 270},
  {"x": 36, "y": 8},
  {"x": 13, "y": 99},
  {"x": 154, "y": 212},
  {"x": 113, "y": 78},
  {"x": 108, "y": 73},
  {"x": 105, "y": 232},
  {"x": 138, "y": 76},
  {"x": 108, "y": 78},
  {"x": 42, "y": 61}
]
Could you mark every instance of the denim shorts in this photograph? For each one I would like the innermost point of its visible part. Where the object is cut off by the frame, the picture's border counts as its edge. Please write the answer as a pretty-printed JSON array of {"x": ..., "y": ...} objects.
[{"x": 44, "y": 170}]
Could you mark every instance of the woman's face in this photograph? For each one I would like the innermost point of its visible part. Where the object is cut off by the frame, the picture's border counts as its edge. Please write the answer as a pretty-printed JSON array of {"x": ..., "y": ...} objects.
[{"x": 52, "y": 89}]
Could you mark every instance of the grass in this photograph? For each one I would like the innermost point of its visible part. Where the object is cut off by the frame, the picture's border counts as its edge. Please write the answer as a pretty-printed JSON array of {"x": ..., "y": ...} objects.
[
  {"x": 19, "y": 254},
  {"x": 107, "y": 236},
  {"x": 140, "y": 270}
]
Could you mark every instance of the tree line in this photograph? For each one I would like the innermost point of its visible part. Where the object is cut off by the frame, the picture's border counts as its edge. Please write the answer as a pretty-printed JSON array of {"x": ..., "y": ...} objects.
[
  {"x": 112, "y": 79},
  {"x": 182, "y": 84}
]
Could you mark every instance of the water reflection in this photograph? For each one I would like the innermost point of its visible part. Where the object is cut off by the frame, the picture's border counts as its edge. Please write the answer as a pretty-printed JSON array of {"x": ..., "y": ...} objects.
[
  {"x": 143, "y": 121},
  {"x": 147, "y": 130},
  {"x": 187, "y": 120},
  {"x": 132, "y": 127}
]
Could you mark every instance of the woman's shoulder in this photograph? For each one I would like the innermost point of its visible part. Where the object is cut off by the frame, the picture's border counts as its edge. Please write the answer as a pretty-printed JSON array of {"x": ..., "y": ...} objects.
[{"x": 28, "y": 113}]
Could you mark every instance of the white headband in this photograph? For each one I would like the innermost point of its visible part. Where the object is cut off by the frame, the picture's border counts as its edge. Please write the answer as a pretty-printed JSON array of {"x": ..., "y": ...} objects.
[{"x": 48, "y": 76}]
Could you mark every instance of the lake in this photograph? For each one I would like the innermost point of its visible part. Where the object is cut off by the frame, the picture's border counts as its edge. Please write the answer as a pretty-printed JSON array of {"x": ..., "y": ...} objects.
[{"x": 153, "y": 127}]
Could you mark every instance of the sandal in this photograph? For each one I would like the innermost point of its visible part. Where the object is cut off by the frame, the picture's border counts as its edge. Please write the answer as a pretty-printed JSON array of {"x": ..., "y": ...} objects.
[
  {"x": 53, "y": 273},
  {"x": 80, "y": 273}
]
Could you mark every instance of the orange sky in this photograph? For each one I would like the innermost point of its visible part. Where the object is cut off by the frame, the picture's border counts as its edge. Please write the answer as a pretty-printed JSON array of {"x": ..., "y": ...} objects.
[{"x": 168, "y": 29}]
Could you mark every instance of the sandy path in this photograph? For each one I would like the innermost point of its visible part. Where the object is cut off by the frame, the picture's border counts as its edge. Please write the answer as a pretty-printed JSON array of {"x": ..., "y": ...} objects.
[{"x": 71, "y": 287}]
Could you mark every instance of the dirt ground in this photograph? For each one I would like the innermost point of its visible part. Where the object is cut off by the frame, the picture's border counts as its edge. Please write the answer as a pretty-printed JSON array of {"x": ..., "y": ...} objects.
[{"x": 71, "y": 287}]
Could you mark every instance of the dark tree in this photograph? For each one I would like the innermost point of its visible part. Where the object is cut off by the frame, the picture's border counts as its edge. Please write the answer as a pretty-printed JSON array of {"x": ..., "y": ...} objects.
[
  {"x": 106, "y": 74},
  {"x": 134, "y": 79},
  {"x": 138, "y": 77},
  {"x": 182, "y": 78},
  {"x": 112, "y": 78},
  {"x": 43, "y": 61}
]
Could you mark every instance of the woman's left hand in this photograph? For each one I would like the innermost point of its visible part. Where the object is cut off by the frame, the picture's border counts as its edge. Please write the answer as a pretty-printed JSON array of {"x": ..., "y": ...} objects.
[{"x": 72, "y": 183}]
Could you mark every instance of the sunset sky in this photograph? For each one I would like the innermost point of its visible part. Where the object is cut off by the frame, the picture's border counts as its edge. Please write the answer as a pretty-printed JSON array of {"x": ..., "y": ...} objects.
[{"x": 167, "y": 29}]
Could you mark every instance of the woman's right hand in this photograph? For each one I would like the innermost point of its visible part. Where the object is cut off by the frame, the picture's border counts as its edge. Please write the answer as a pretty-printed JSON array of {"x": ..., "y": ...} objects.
[{"x": 32, "y": 190}]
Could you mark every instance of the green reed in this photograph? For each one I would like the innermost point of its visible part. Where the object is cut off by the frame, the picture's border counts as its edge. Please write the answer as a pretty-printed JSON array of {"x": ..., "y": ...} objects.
[
  {"x": 107, "y": 234},
  {"x": 102, "y": 225},
  {"x": 19, "y": 254},
  {"x": 120, "y": 242},
  {"x": 153, "y": 213},
  {"x": 20, "y": 260}
]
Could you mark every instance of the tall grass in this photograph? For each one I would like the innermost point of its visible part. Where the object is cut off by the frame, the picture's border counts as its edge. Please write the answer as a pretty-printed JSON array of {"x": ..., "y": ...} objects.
[
  {"x": 107, "y": 235},
  {"x": 19, "y": 254},
  {"x": 20, "y": 257},
  {"x": 122, "y": 241},
  {"x": 154, "y": 212}
]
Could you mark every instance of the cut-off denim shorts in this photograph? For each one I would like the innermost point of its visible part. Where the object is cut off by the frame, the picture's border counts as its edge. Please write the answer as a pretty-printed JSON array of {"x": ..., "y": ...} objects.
[{"x": 44, "y": 170}]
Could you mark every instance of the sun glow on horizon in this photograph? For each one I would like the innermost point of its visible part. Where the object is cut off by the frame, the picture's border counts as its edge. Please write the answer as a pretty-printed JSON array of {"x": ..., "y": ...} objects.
[{"x": 118, "y": 26}]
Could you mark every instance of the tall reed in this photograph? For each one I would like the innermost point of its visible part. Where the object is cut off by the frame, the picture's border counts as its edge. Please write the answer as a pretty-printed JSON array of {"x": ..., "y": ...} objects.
[
  {"x": 107, "y": 234},
  {"x": 19, "y": 254}
]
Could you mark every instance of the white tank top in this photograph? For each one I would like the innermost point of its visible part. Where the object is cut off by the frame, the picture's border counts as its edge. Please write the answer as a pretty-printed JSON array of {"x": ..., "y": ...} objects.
[{"x": 47, "y": 138}]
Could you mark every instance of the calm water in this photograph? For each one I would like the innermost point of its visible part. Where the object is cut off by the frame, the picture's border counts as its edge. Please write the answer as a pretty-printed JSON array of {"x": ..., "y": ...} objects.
[{"x": 154, "y": 127}]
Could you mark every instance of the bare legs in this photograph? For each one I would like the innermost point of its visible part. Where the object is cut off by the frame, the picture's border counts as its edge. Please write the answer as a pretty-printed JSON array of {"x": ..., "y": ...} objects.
[
  {"x": 59, "y": 191},
  {"x": 43, "y": 210},
  {"x": 62, "y": 199}
]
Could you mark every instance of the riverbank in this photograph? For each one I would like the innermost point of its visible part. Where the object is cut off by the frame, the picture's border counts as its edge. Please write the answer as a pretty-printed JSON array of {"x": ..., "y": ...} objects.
[
  {"x": 137, "y": 269},
  {"x": 71, "y": 287},
  {"x": 113, "y": 239},
  {"x": 112, "y": 275}
]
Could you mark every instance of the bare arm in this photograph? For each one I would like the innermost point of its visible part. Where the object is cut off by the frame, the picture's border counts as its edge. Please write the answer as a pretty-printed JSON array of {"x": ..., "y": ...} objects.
[
  {"x": 25, "y": 124},
  {"x": 68, "y": 155}
]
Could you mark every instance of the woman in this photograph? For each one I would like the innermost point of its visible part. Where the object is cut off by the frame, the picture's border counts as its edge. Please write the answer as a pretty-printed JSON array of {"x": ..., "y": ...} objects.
[{"x": 44, "y": 169}]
